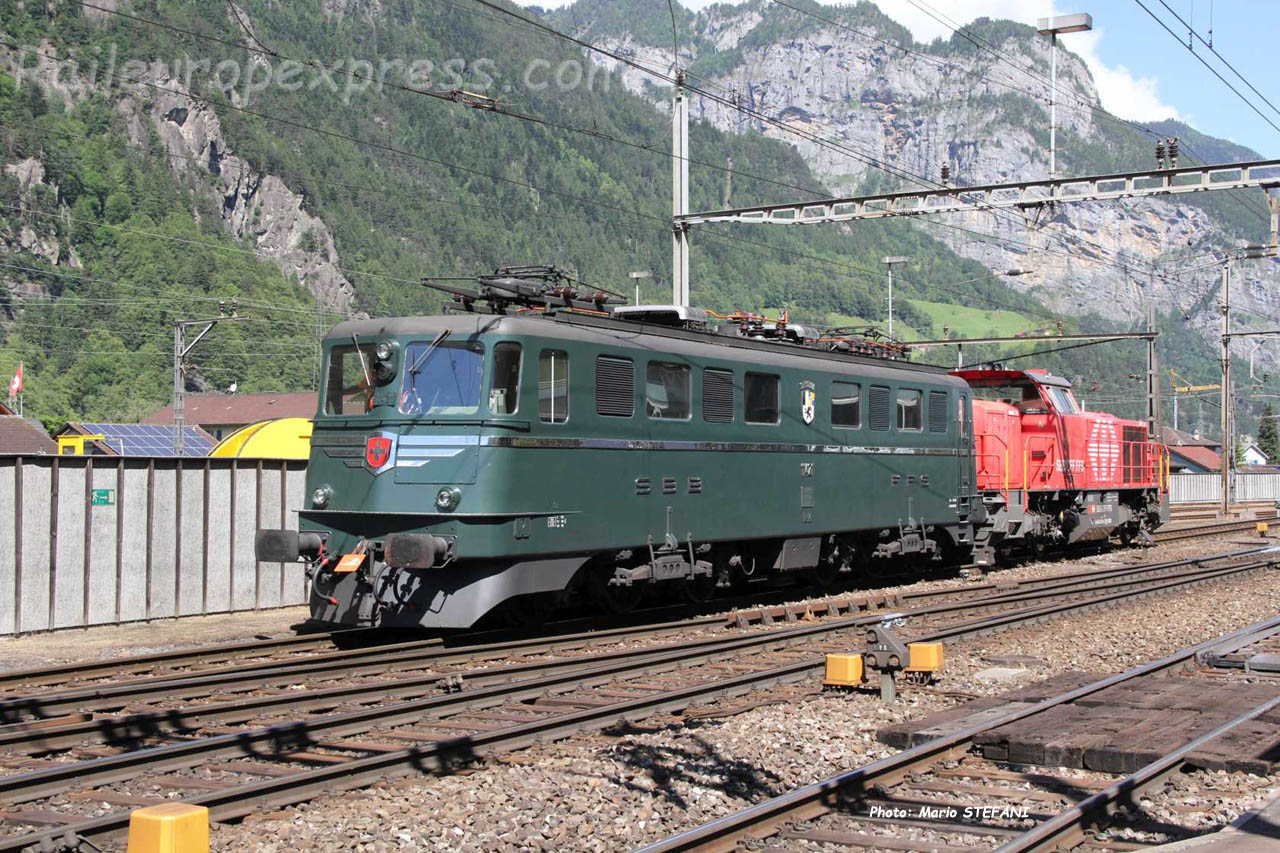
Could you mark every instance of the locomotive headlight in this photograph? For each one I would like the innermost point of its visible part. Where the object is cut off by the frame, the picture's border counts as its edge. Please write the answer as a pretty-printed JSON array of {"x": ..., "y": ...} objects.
[
  {"x": 320, "y": 497},
  {"x": 447, "y": 498},
  {"x": 384, "y": 361}
]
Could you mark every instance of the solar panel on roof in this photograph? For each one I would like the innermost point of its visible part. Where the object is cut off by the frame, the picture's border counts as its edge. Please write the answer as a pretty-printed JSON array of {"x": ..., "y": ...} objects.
[{"x": 150, "y": 440}]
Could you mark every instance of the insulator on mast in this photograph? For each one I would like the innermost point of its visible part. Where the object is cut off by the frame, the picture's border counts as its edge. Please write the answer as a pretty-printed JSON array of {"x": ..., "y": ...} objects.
[
  {"x": 1173, "y": 153},
  {"x": 946, "y": 173},
  {"x": 1159, "y": 153}
]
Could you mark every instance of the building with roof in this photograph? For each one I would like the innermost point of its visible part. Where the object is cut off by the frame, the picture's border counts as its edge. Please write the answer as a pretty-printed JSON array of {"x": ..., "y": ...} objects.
[
  {"x": 222, "y": 414},
  {"x": 107, "y": 439},
  {"x": 1191, "y": 454},
  {"x": 24, "y": 437},
  {"x": 1253, "y": 455},
  {"x": 5, "y": 410}
]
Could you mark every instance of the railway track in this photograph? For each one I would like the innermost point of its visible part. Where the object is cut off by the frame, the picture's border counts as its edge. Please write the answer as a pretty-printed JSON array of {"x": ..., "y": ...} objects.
[
  {"x": 890, "y": 792},
  {"x": 1201, "y": 530},
  {"x": 286, "y": 749},
  {"x": 359, "y": 645},
  {"x": 31, "y": 697}
]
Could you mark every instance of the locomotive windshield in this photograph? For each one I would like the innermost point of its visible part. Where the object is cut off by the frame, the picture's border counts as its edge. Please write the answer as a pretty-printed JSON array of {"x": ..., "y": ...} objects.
[
  {"x": 1024, "y": 390},
  {"x": 1011, "y": 393},
  {"x": 444, "y": 380}
]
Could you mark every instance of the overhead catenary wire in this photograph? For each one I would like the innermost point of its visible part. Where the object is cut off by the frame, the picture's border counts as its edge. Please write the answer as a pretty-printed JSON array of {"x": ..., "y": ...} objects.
[
  {"x": 551, "y": 31},
  {"x": 1212, "y": 70},
  {"x": 844, "y": 147},
  {"x": 982, "y": 44},
  {"x": 764, "y": 246}
]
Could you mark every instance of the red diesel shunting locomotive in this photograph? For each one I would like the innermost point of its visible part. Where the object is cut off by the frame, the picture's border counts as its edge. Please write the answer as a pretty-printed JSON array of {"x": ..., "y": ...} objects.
[{"x": 1052, "y": 474}]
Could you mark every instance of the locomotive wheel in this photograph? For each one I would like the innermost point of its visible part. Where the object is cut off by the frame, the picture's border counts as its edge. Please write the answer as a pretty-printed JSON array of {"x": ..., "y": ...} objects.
[
  {"x": 613, "y": 599},
  {"x": 527, "y": 612},
  {"x": 698, "y": 590}
]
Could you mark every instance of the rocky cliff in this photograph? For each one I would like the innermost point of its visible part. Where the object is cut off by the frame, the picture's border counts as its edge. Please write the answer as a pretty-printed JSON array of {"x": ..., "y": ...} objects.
[
  {"x": 254, "y": 205},
  {"x": 982, "y": 107}
]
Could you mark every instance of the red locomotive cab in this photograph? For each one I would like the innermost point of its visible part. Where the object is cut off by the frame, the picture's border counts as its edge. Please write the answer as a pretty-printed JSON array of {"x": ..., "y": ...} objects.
[{"x": 1052, "y": 473}]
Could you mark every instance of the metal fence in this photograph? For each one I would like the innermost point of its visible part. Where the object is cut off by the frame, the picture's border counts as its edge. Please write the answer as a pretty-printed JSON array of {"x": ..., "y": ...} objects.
[
  {"x": 1252, "y": 486},
  {"x": 93, "y": 540}
]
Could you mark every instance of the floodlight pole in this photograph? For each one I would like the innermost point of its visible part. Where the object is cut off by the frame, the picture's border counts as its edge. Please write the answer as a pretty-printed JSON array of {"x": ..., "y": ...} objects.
[
  {"x": 1051, "y": 27},
  {"x": 889, "y": 261}
]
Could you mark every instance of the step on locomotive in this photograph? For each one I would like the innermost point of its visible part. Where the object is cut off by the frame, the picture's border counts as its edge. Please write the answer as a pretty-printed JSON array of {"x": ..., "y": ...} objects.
[{"x": 540, "y": 445}]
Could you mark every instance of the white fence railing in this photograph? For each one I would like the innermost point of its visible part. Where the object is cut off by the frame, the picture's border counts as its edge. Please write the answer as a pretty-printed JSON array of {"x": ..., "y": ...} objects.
[{"x": 1194, "y": 488}]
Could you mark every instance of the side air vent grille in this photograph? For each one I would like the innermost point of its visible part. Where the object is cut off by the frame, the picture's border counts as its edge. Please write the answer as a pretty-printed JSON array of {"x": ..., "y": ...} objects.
[
  {"x": 939, "y": 411},
  {"x": 615, "y": 386},
  {"x": 717, "y": 396},
  {"x": 878, "y": 407}
]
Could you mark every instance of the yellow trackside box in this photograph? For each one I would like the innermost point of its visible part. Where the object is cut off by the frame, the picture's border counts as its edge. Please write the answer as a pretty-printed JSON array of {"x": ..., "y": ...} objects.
[
  {"x": 844, "y": 670},
  {"x": 1262, "y": 528},
  {"x": 169, "y": 828},
  {"x": 924, "y": 657}
]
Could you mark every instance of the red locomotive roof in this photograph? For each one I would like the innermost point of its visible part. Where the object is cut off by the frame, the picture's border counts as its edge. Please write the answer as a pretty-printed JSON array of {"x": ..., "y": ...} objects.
[{"x": 1039, "y": 376}]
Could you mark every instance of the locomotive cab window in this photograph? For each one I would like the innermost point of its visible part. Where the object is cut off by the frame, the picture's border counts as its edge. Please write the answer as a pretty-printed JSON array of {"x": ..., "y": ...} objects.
[
  {"x": 1063, "y": 400},
  {"x": 846, "y": 404},
  {"x": 442, "y": 379},
  {"x": 348, "y": 386},
  {"x": 553, "y": 386},
  {"x": 504, "y": 387},
  {"x": 909, "y": 416},
  {"x": 760, "y": 405},
  {"x": 667, "y": 391}
]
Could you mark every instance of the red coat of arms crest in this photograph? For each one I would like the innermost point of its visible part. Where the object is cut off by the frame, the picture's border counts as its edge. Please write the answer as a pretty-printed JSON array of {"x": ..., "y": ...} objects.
[{"x": 377, "y": 450}]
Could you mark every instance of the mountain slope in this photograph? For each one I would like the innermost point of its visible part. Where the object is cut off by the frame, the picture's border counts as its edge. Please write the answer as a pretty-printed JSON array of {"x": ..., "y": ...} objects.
[{"x": 224, "y": 162}]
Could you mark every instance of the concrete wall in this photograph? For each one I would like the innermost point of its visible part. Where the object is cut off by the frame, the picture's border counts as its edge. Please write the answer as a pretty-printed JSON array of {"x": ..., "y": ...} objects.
[{"x": 92, "y": 540}]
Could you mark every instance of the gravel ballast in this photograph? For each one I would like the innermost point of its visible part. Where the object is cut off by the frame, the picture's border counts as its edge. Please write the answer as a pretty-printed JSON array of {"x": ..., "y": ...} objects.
[{"x": 632, "y": 786}]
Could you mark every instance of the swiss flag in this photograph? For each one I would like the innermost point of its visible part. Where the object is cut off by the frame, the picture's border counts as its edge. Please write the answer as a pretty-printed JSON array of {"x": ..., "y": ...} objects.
[{"x": 15, "y": 384}]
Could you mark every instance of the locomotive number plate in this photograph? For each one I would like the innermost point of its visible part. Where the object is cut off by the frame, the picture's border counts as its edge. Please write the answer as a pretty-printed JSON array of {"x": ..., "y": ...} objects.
[{"x": 350, "y": 563}]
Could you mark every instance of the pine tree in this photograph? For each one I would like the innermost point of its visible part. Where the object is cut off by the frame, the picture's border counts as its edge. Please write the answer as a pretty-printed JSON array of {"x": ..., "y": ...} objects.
[{"x": 1268, "y": 435}]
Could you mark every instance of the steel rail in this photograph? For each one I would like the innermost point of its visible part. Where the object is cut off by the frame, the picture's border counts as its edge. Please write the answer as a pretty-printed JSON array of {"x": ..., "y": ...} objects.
[
  {"x": 817, "y": 798},
  {"x": 127, "y": 728},
  {"x": 132, "y": 729},
  {"x": 344, "y": 663},
  {"x": 1177, "y": 533},
  {"x": 1071, "y": 824},
  {"x": 198, "y": 654},
  {"x": 15, "y": 681},
  {"x": 444, "y": 754}
]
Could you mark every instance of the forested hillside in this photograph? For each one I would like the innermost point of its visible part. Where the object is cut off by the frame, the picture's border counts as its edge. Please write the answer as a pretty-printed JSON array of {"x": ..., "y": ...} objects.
[{"x": 118, "y": 218}]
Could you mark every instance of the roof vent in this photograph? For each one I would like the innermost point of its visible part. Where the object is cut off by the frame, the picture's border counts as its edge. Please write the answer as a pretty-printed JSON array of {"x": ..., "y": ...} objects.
[{"x": 678, "y": 316}]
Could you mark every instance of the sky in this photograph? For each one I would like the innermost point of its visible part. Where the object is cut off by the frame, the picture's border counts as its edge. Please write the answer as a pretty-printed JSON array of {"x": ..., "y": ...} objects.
[{"x": 1141, "y": 71}]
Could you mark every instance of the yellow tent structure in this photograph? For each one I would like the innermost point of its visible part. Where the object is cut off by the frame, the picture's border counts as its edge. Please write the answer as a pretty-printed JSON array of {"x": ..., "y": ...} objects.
[{"x": 283, "y": 438}]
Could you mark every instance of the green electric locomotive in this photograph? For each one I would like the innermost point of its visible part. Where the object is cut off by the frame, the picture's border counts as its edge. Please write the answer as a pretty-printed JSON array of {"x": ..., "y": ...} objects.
[{"x": 535, "y": 447}]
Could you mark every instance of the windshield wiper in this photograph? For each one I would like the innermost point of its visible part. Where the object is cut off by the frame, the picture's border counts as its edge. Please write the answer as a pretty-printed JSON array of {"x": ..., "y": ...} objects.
[
  {"x": 364, "y": 367},
  {"x": 426, "y": 352}
]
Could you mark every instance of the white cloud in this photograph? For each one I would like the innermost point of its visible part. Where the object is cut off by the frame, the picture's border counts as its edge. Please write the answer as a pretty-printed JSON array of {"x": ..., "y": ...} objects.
[{"x": 1121, "y": 91}]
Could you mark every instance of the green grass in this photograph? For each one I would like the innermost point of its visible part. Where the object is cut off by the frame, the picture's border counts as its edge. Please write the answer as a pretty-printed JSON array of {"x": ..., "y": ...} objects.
[{"x": 964, "y": 322}]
